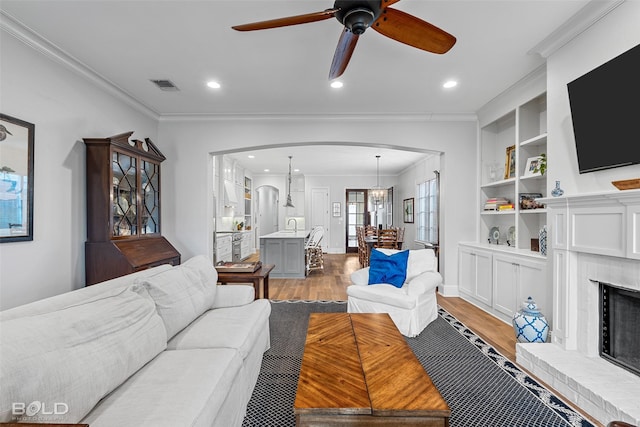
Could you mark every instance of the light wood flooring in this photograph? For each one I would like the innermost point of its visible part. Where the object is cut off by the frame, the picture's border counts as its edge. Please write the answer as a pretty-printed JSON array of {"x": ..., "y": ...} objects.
[{"x": 331, "y": 284}]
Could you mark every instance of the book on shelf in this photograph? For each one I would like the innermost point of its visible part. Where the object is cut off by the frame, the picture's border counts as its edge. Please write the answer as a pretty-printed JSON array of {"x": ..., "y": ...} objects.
[
  {"x": 507, "y": 207},
  {"x": 495, "y": 203}
]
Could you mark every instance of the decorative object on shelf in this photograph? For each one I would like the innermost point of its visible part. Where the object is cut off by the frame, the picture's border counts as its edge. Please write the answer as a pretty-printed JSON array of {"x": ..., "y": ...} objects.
[
  {"x": 557, "y": 191},
  {"x": 407, "y": 208},
  {"x": 529, "y": 323},
  {"x": 532, "y": 167},
  {"x": 494, "y": 235},
  {"x": 16, "y": 179},
  {"x": 535, "y": 245},
  {"x": 289, "y": 204},
  {"x": 541, "y": 167},
  {"x": 510, "y": 163},
  {"x": 511, "y": 236},
  {"x": 542, "y": 236},
  {"x": 527, "y": 201},
  {"x": 627, "y": 184},
  {"x": 496, "y": 172}
]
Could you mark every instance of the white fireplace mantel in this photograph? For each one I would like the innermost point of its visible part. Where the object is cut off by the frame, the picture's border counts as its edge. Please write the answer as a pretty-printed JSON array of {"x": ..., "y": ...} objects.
[{"x": 592, "y": 237}]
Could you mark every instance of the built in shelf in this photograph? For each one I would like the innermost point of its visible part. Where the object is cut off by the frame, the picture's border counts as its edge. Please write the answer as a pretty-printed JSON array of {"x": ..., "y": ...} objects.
[
  {"x": 536, "y": 140},
  {"x": 533, "y": 211},
  {"x": 509, "y": 212},
  {"x": 501, "y": 183}
]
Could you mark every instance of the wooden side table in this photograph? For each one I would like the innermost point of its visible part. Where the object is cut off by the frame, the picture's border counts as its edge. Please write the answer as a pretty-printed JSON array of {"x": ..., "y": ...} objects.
[{"x": 261, "y": 275}]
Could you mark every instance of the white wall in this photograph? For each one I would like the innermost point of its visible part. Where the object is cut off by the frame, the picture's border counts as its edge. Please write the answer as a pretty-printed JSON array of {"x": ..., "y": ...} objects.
[
  {"x": 614, "y": 34},
  {"x": 406, "y": 188},
  {"x": 187, "y": 145},
  {"x": 64, "y": 108}
]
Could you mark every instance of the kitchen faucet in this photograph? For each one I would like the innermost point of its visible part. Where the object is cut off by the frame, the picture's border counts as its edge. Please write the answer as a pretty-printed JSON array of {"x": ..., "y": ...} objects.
[{"x": 295, "y": 224}]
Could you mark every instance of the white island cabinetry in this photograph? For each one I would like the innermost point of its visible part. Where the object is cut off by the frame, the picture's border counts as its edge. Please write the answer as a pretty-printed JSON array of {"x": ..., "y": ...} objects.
[{"x": 285, "y": 250}]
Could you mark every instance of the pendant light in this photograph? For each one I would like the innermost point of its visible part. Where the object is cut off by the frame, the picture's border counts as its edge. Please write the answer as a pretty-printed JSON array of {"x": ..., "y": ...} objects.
[
  {"x": 378, "y": 193},
  {"x": 289, "y": 204}
]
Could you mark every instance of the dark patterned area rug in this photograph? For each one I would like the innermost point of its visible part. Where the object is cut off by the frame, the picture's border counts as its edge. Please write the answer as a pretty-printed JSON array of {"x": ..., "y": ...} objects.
[{"x": 482, "y": 387}]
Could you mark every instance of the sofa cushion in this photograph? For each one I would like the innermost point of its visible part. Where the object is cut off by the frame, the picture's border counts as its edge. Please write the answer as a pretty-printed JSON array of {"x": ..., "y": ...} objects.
[
  {"x": 180, "y": 296},
  {"x": 390, "y": 269},
  {"x": 78, "y": 354},
  {"x": 232, "y": 327},
  {"x": 177, "y": 388}
]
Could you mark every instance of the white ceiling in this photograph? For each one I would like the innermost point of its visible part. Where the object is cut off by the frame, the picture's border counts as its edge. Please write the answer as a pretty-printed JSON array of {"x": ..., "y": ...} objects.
[{"x": 284, "y": 71}]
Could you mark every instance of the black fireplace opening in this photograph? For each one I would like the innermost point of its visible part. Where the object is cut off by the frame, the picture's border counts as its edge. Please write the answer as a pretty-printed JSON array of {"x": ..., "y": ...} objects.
[{"x": 620, "y": 326}]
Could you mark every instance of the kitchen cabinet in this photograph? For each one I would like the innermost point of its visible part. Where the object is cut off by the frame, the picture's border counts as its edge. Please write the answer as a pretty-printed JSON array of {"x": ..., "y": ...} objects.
[
  {"x": 246, "y": 245},
  {"x": 123, "y": 208},
  {"x": 284, "y": 249},
  {"x": 224, "y": 247}
]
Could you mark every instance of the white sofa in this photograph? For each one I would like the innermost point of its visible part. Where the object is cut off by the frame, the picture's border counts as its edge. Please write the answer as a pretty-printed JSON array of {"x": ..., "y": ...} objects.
[
  {"x": 161, "y": 347},
  {"x": 411, "y": 307}
]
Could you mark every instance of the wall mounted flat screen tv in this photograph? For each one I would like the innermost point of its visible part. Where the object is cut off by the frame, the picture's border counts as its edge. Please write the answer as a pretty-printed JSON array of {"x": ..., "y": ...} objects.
[{"x": 605, "y": 110}]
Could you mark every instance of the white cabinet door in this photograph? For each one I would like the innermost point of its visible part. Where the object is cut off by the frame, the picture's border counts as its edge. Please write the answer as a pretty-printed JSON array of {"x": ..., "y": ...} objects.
[
  {"x": 466, "y": 270},
  {"x": 475, "y": 274},
  {"x": 532, "y": 282},
  {"x": 484, "y": 275},
  {"x": 516, "y": 279},
  {"x": 504, "y": 285}
]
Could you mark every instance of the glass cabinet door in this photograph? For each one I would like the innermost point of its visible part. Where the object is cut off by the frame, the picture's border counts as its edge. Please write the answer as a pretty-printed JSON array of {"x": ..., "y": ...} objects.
[
  {"x": 124, "y": 197},
  {"x": 150, "y": 186}
]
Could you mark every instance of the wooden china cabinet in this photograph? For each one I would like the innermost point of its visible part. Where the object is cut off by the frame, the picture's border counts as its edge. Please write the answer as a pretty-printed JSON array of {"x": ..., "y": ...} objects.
[{"x": 123, "y": 208}]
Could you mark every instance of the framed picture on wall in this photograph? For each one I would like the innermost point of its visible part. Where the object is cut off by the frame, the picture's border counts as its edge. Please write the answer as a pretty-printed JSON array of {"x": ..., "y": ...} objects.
[
  {"x": 407, "y": 210},
  {"x": 16, "y": 179},
  {"x": 510, "y": 163},
  {"x": 336, "y": 209}
]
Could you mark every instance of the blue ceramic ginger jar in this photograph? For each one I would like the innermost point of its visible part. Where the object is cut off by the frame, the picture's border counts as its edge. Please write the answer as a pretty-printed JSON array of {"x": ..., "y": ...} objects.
[{"x": 529, "y": 324}]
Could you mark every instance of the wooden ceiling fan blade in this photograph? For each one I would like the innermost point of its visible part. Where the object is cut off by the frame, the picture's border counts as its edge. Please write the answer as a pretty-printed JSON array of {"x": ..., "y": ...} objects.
[
  {"x": 413, "y": 31},
  {"x": 290, "y": 20},
  {"x": 344, "y": 50}
]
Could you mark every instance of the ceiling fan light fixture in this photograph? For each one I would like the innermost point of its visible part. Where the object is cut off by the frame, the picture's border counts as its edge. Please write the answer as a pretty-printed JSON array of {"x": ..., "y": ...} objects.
[
  {"x": 358, "y": 20},
  {"x": 214, "y": 85},
  {"x": 336, "y": 84},
  {"x": 450, "y": 84}
]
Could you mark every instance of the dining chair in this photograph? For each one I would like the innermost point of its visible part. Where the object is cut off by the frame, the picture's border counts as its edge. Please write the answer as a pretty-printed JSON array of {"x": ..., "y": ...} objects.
[
  {"x": 313, "y": 255},
  {"x": 363, "y": 247},
  {"x": 388, "y": 238}
]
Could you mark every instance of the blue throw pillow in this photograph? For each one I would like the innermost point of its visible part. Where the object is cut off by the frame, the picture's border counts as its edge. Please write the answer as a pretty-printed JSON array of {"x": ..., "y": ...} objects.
[{"x": 390, "y": 269}]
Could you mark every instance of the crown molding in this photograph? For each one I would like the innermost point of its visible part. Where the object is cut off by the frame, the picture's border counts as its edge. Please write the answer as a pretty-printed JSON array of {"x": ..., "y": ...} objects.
[
  {"x": 591, "y": 13},
  {"x": 21, "y": 32},
  {"x": 365, "y": 117}
]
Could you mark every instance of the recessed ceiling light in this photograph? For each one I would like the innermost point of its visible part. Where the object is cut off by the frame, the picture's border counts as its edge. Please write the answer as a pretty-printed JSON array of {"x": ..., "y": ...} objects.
[
  {"x": 266, "y": 170},
  {"x": 251, "y": 156},
  {"x": 449, "y": 84},
  {"x": 213, "y": 85},
  {"x": 336, "y": 84},
  {"x": 296, "y": 170}
]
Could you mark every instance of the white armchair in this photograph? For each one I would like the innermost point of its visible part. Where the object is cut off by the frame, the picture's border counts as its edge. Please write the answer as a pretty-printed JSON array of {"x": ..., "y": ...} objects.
[{"x": 411, "y": 307}]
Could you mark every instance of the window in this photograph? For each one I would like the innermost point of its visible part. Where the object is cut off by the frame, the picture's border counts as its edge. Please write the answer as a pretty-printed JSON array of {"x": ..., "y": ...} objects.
[{"x": 427, "y": 211}]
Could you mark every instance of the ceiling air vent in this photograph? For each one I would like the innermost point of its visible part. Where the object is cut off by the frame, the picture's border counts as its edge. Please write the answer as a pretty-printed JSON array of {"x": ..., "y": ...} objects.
[{"x": 166, "y": 85}]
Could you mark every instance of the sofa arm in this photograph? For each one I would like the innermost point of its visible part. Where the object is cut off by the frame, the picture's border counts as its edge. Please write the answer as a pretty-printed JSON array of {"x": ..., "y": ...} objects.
[
  {"x": 360, "y": 277},
  {"x": 423, "y": 283},
  {"x": 233, "y": 295}
]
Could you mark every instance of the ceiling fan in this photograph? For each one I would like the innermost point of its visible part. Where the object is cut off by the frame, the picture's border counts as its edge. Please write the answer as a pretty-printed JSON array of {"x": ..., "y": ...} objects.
[{"x": 358, "y": 15}]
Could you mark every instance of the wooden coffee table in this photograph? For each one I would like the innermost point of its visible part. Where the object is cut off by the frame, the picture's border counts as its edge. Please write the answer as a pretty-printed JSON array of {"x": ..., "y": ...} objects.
[
  {"x": 261, "y": 275},
  {"x": 358, "y": 370}
]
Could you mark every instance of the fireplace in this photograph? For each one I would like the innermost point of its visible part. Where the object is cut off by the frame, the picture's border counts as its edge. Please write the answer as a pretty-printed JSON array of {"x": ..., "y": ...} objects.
[
  {"x": 619, "y": 320},
  {"x": 593, "y": 243}
]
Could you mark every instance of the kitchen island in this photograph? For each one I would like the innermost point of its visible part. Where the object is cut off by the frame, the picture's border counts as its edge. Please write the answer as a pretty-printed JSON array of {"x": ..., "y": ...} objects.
[{"x": 284, "y": 249}]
